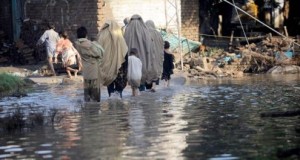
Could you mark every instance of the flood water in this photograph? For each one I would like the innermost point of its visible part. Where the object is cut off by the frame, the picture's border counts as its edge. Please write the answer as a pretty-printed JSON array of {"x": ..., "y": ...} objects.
[{"x": 215, "y": 120}]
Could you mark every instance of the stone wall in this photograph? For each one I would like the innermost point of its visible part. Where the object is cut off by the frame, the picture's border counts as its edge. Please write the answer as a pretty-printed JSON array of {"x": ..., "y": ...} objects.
[
  {"x": 147, "y": 9},
  {"x": 162, "y": 14},
  {"x": 190, "y": 19},
  {"x": 67, "y": 14},
  {"x": 70, "y": 14}
]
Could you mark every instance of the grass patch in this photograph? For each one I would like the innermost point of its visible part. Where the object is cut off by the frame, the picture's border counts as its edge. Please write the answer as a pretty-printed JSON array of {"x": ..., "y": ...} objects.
[{"x": 10, "y": 82}]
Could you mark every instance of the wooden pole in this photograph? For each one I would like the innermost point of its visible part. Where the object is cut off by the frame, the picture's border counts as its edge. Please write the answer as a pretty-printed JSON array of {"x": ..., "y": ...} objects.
[
  {"x": 258, "y": 20},
  {"x": 286, "y": 31}
]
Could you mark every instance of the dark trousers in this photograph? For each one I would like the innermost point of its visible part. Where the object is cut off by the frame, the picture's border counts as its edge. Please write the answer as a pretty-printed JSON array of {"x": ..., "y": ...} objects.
[{"x": 92, "y": 91}]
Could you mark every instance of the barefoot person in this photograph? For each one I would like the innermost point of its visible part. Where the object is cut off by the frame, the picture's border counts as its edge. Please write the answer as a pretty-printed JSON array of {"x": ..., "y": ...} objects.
[
  {"x": 156, "y": 50},
  {"x": 137, "y": 35},
  {"x": 91, "y": 55},
  {"x": 134, "y": 71},
  {"x": 70, "y": 56},
  {"x": 50, "y": 38},
  {"x": 114, "y": 64},
  {"x": 168, "y": 64}
]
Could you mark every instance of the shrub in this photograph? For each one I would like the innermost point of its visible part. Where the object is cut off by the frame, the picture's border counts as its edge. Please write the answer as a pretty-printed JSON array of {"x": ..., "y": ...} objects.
[{"x": 10, "y": 82}]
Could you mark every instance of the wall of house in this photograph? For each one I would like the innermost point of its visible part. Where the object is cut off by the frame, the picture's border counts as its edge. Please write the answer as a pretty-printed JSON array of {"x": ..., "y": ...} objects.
[
  {"x": 70, "y": 14},
  {"x": 67, "y": 14},
  {"x": 163, "y": 14},
  {"x": 6, "y": 18},
  {"x": 147, "y": 9},
  {"x": 190, "y": 19}
]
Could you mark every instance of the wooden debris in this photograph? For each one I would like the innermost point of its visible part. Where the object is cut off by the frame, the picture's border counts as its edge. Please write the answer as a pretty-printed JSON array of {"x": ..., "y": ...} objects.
[{"x": 257, "y": 57}]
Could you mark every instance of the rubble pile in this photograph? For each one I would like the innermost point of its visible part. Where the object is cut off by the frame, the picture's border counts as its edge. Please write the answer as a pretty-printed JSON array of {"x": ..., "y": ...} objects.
[
  {"x": 27, "y": 51},
  {"x": 259, "y": 57},
  {"x": 4, "y": 48}
]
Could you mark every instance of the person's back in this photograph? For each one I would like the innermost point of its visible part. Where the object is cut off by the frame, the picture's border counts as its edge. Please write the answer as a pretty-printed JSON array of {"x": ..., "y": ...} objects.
[
  {"x": 168, "y": 65},
  {"x": 134, "y": 74},
  {"x": 134, "y": 68},
  {"x": 91, "y": 56},
  {"x": 138, "y": 36},
  {"x": 50, "y": 38}
]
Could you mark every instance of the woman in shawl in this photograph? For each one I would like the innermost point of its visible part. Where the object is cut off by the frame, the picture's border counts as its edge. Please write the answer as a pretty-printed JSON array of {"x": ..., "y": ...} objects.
[
  {"x": 157, "y": 50},
  {"x": 137, "y": 36},
  {"x": 114, "y": 64}
]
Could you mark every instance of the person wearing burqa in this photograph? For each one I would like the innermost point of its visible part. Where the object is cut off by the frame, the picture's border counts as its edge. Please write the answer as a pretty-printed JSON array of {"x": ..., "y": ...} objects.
[
  {"x": 157, "y": 50},
  {"x": 114, "y": 64},
  {"x": 138, "y": 36},
  {"x": 91, "y": 56},
  {"x": 125, "y": 21}
]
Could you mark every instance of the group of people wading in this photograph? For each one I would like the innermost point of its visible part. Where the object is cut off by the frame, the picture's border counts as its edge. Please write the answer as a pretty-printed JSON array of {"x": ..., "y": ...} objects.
[{"x": 134, "y": 54}]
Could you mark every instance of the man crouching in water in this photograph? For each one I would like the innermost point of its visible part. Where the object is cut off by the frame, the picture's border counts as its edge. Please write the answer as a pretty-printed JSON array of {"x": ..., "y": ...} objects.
[{"x": 91, "y": 54}]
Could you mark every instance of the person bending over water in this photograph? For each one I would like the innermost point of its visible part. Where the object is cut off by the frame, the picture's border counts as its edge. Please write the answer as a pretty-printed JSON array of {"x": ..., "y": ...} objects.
[{"x": 70, "y": 56}]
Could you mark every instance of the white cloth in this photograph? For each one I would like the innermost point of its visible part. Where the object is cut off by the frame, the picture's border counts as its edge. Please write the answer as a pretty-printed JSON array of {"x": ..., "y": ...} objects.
[
  {"x": 69, "y": 56},
  {"x": 50, "y": 37},
  {"x": 134, "y": 74}
]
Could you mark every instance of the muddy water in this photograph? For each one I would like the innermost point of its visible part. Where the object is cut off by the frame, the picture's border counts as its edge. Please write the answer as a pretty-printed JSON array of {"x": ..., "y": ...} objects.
[{"x": 204, "y": 120}]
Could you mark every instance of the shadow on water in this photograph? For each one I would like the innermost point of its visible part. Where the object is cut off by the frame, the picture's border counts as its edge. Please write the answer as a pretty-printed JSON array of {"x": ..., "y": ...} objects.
[{"x": 203, "y": 120}]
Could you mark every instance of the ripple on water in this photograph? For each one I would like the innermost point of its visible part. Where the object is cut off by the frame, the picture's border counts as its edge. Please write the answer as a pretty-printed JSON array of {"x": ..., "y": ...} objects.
[
  {"x": 5, "y": 156},
  {"x": 41, "y": 152},
  {"x": 14, "y": 150},
  {"x": 184, "y": 122}
]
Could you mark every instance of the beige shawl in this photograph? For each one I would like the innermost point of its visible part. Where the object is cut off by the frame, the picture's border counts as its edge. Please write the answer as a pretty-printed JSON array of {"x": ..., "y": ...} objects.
[
  {"x": 111, "y": 39},
  {"x": 138, "y": 36},
  {"x": 157, "y": 49}
]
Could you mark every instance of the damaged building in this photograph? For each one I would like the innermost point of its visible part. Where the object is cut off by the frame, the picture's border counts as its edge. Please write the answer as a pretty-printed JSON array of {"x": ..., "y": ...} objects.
[{"x": 23, "y": 21}]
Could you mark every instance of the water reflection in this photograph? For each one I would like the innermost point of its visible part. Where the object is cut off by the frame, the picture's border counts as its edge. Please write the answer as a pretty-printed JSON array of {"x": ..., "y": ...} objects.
[{"x": 207, "y": 120}]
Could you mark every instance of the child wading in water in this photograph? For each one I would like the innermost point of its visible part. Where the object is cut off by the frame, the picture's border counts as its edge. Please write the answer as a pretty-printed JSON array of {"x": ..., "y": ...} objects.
[
  {"x": 168, "y": 65},
  {"x": 134, "y": 74},
  {"x": 70, "y": 56}
]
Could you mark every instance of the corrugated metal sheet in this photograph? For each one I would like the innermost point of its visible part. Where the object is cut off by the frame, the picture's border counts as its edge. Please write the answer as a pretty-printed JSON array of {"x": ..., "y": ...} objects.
[{"x": 188, "y": 46}]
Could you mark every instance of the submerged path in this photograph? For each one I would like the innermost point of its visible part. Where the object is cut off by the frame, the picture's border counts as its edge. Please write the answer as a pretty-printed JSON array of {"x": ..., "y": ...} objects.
[{"x": 203, "y": 120}]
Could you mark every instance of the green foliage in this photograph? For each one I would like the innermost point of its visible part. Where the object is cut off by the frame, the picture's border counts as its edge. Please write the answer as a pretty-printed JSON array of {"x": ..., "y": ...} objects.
[{"x": 10, "y": 82}]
